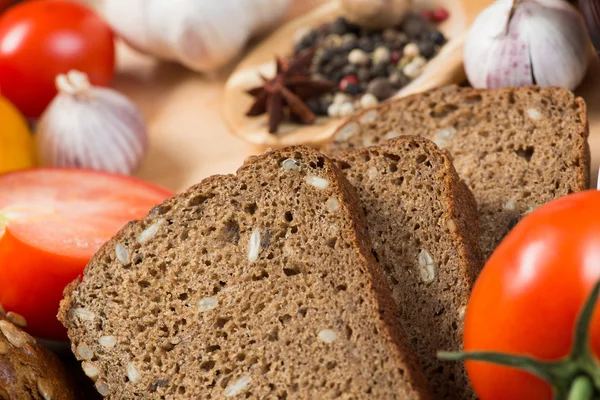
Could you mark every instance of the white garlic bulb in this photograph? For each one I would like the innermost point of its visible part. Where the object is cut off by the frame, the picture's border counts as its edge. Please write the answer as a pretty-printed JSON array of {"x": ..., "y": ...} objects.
[
  {"x": 527, "y": 42},
  {"x": 375, "y": 14},
  {"x": 201, "y": 34},
  {"x": 91, "y": 127}
]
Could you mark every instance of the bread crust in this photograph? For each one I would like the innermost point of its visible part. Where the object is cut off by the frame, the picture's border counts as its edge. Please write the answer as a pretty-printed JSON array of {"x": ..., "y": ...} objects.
[{"x": 28, "y": 371}]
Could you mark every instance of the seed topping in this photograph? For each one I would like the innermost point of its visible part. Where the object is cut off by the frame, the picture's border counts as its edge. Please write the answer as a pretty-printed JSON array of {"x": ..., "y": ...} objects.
[
  {"x": 238, "y": 386},
  {"x": 426, "y": 267},
  {"x": 122, "y": 253},
  {"x": 327, "y": 336},
  {"x": 132, "y": 373},
  {"x": 290, "y": 164},
  {"x": 107, "y": 341},
  {"x": 317, "y": 182},
  {"x": 45, "y": 389},
  {"x": 254, "y": 245},
  {"x": 90, "y": 369},
  {"x": 17, "y": 319},
  {"x": 12, "y": 333},
  {"x": 102, "y": 388},
  {"x": 207, "y": 304},
  {"x": 85, "y": 352},
  {"x": 84, "y": 314},
  {"x": 149, "y": 232}
]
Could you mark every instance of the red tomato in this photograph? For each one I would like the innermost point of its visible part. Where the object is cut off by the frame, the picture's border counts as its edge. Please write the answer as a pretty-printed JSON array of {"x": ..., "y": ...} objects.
[
  {"x": 43, "y": 38},
  {"x": 51, "y": 223},
  {"x": 527, "y": 299}
]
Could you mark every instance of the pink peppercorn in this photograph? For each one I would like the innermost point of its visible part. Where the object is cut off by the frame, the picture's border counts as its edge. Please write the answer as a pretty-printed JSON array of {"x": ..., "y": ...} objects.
[
  {"x": 348, "y": 79},
  {"x": 440, "y": 14}
]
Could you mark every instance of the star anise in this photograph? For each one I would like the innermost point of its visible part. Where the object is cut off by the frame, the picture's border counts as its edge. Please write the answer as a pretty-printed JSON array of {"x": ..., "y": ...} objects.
[{"x": 290, "y": 87}]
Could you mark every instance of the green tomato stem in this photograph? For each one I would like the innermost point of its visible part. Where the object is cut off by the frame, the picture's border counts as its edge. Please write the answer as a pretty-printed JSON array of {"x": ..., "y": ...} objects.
[
  {"x": 545, "y": 370},
  {"x": 581, "y": 345},
  {"x": 581, "y": 389}
]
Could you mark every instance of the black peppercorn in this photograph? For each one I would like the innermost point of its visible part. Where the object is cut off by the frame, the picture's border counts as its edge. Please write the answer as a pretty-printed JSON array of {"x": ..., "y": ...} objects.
[
  {"x": 427, "y": 48},
  {"x": 398, "y": 80},
  {"x": 336, "y": 76},
  {"x": 352, "y": 89},
  {"x": 414, "y": 26},
  {"x": 349, "y": 69},
  {"x": 366, "y": 44},
  {"x": 314, "y": 105},
  {"x": 399, "y": 42},
  {"x": 339, "y": 26},
  {"x": 379, "y": 69},
  {"x": 324, "y": 106},
  {"x": 349, "y": 45},
  {"x": 352, "y": 28},
  {"x": 437, "y": 37},
  {"x": 363, "y": 74}
]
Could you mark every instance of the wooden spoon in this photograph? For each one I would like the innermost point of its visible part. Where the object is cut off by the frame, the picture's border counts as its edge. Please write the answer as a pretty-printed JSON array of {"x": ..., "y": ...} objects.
[{"x": 445, "y": 68}]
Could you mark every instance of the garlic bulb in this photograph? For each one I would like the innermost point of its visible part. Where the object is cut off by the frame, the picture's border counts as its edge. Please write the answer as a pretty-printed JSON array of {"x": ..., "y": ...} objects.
[
  {"x": 375, "y": 14},
  {"x": 527, "y": 42},
  {"x": 201, "y": 34},
  {"x": 591, "y": 13},
  {"x": 90, "y": 127}
]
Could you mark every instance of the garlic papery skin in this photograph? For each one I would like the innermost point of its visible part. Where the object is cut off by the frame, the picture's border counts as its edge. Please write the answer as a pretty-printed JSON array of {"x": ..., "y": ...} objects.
[
  {"x": 91, "y": 127},
  {"x": 527, "y": 42},
  {"x": 203, "y": 35}
]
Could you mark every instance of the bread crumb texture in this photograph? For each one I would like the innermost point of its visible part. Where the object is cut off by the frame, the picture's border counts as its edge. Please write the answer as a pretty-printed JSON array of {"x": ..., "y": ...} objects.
[
  {"x": 516, "y": 148},
  {"x": 254, "y": 286},
  {"x": 422, "y": 220}
]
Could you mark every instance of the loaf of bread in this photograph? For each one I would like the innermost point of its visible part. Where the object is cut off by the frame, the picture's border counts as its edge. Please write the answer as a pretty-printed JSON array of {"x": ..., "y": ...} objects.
[
  {"x": 423, "y": 223},
  {"x": 516, "y": 148},
  {"x": 28, "y": 371},
  {"x": 260, "y": 285}
]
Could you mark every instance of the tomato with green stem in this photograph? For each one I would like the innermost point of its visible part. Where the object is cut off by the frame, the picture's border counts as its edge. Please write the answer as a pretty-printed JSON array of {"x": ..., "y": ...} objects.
[
  {"x": 40, "y": 39},
  {"x": 51, "y": 223},
  {"x": 526, "y": 303}
]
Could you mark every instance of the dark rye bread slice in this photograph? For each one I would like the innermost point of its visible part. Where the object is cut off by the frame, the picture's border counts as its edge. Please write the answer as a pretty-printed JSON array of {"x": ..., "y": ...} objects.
[
  {"x": 423, "y": 224},
  {"x": 516, "y": 148},
  {"x": 260, "y": 285}
]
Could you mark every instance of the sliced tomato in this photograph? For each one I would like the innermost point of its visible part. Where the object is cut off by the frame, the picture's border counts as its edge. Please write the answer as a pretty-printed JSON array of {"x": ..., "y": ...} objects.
[{"x": 52, "y": 221}]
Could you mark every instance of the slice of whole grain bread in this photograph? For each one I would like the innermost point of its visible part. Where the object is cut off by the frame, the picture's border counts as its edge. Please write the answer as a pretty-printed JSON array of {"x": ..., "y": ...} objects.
[
  {"x": 423, "y": 224},
  {"x": 516, "y": 148},
  {"x": 259, "y": 285}
]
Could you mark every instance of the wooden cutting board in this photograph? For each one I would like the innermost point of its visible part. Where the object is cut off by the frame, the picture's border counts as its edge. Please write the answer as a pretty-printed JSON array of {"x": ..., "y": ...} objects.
[{"x": 189, "y": 138}]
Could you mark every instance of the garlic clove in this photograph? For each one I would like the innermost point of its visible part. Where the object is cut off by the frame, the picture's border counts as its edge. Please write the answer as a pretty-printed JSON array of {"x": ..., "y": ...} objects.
[
  {"x": 493, "y": 59},
  {"x": 201, "y": 34},
  {"x": 91, "y": 127},
  {"x": 526, "y": 42},
  {"x": 560, "y": 70}
]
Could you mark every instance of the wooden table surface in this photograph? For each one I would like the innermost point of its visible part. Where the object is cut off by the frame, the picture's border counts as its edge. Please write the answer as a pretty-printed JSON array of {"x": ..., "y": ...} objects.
[{"x": 189, "y": 139}]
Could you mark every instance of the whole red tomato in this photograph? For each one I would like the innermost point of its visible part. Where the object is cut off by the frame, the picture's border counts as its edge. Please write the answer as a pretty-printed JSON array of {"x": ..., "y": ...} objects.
[
  {"x": 527, "y": 299},
  {"x": 43, "y": 38},
  {"x": 51, "y": 223}
]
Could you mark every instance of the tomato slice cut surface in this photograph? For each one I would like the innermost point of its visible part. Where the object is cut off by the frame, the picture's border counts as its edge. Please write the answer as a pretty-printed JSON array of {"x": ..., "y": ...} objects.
[
  {"x": 52, "y": 221},
  {"x": 72, "y": 212}
]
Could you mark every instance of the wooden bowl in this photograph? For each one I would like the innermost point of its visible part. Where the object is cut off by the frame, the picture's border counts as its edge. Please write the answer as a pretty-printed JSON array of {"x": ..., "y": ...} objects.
[{"x": 444, "y": 68}]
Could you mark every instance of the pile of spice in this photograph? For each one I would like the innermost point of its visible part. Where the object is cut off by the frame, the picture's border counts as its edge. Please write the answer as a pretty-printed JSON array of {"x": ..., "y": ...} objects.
[
  {"x": 368, "y": 66},
  {"x": 340, "y": 67}
]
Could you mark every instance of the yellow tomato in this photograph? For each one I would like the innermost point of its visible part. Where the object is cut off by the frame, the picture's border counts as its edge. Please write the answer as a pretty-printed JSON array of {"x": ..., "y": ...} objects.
[{"x": 17, "y": 149}]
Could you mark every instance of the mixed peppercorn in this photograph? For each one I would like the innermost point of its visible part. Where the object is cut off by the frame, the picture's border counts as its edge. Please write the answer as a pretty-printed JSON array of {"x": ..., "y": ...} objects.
[
  {"x": 339, "y": 67},
  {"x": 368, "y": 66}
]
